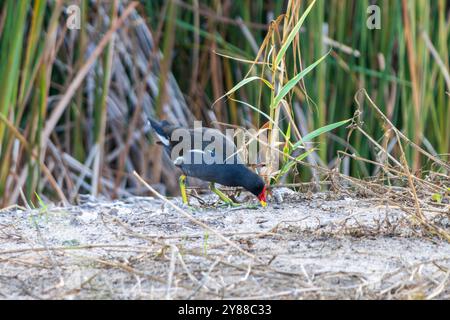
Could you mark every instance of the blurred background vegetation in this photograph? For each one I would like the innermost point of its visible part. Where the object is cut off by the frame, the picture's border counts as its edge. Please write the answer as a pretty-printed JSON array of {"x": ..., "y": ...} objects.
[{"x": 73, "y": 102}]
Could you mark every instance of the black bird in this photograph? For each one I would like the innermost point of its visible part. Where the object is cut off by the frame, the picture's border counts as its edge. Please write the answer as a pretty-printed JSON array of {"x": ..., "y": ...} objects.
[{"x": 207, "y": 154}]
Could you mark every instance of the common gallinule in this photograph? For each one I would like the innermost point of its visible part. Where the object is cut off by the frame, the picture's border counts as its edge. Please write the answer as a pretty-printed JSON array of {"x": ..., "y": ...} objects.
[{"x": 207, "y": 154}]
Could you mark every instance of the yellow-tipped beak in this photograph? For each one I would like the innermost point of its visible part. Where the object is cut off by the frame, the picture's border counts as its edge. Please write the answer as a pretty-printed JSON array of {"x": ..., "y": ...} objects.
[{"x": 263, "y": 203}]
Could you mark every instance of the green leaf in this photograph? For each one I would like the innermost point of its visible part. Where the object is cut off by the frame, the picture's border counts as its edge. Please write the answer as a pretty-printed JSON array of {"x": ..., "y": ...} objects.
[
  {"x": 288, "y": 132},
  {"x": 265, "y": 115},
  {"x": 241, "y": 84},
  {"x": 286, "y": 149},
  {"x": 41, "y": 203},
  {"x": 291, "y": 35},
  {"x": 310, "y": 136},
  {"x": 291, "y": 83},
  {"x": 287, "y": 166}
]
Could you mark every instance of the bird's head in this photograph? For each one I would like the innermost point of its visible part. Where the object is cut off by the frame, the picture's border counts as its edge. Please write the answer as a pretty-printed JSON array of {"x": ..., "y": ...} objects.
[
  {"x": 256, "y": 185},
  {"x": 262, "y": 196}
]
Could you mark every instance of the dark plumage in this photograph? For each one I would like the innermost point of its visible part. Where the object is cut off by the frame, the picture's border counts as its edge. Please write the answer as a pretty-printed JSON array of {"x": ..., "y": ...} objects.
[{"x": 208, "y": 155}]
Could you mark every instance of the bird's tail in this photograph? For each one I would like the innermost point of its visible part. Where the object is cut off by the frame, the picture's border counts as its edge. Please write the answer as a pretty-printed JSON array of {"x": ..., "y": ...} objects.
[{"x": 162, "y": 130}]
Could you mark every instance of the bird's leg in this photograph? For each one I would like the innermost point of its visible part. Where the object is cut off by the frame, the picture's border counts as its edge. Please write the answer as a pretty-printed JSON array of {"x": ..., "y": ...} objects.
[
  {"x": 222, "y": 195},
  {"x": 182, "y": 183}
]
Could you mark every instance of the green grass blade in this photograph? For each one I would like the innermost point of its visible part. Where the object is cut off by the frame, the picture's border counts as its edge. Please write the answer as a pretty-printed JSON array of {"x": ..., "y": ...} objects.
[
  {"x": 293, "y": 82},
  {"x": 241, "y": 84},
  {"x": 292, "y": 35},
  {"x": 288, "y": 165},
  {"x": 310, "y": 136}
]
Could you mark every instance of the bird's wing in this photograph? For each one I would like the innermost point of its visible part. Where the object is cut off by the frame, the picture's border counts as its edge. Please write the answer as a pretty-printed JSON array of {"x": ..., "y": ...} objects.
[{"x": 221, "y": 146}]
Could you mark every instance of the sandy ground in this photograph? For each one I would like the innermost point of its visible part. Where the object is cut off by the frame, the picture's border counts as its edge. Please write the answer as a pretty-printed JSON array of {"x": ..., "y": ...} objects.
[{"x": 303, "y": 247}]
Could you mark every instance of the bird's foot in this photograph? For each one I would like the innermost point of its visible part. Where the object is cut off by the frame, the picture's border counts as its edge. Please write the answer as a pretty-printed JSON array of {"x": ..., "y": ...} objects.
[
  {"x": 230, "y": 204},
  {"x": 241, "y": 206},
  {"x": 223, "y": 196},
  {"x": 182, "y": 184}
]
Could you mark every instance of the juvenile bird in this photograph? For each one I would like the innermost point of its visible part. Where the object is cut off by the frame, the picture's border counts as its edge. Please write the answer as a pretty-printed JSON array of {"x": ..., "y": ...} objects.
[{"x": 207, "y": 154}]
